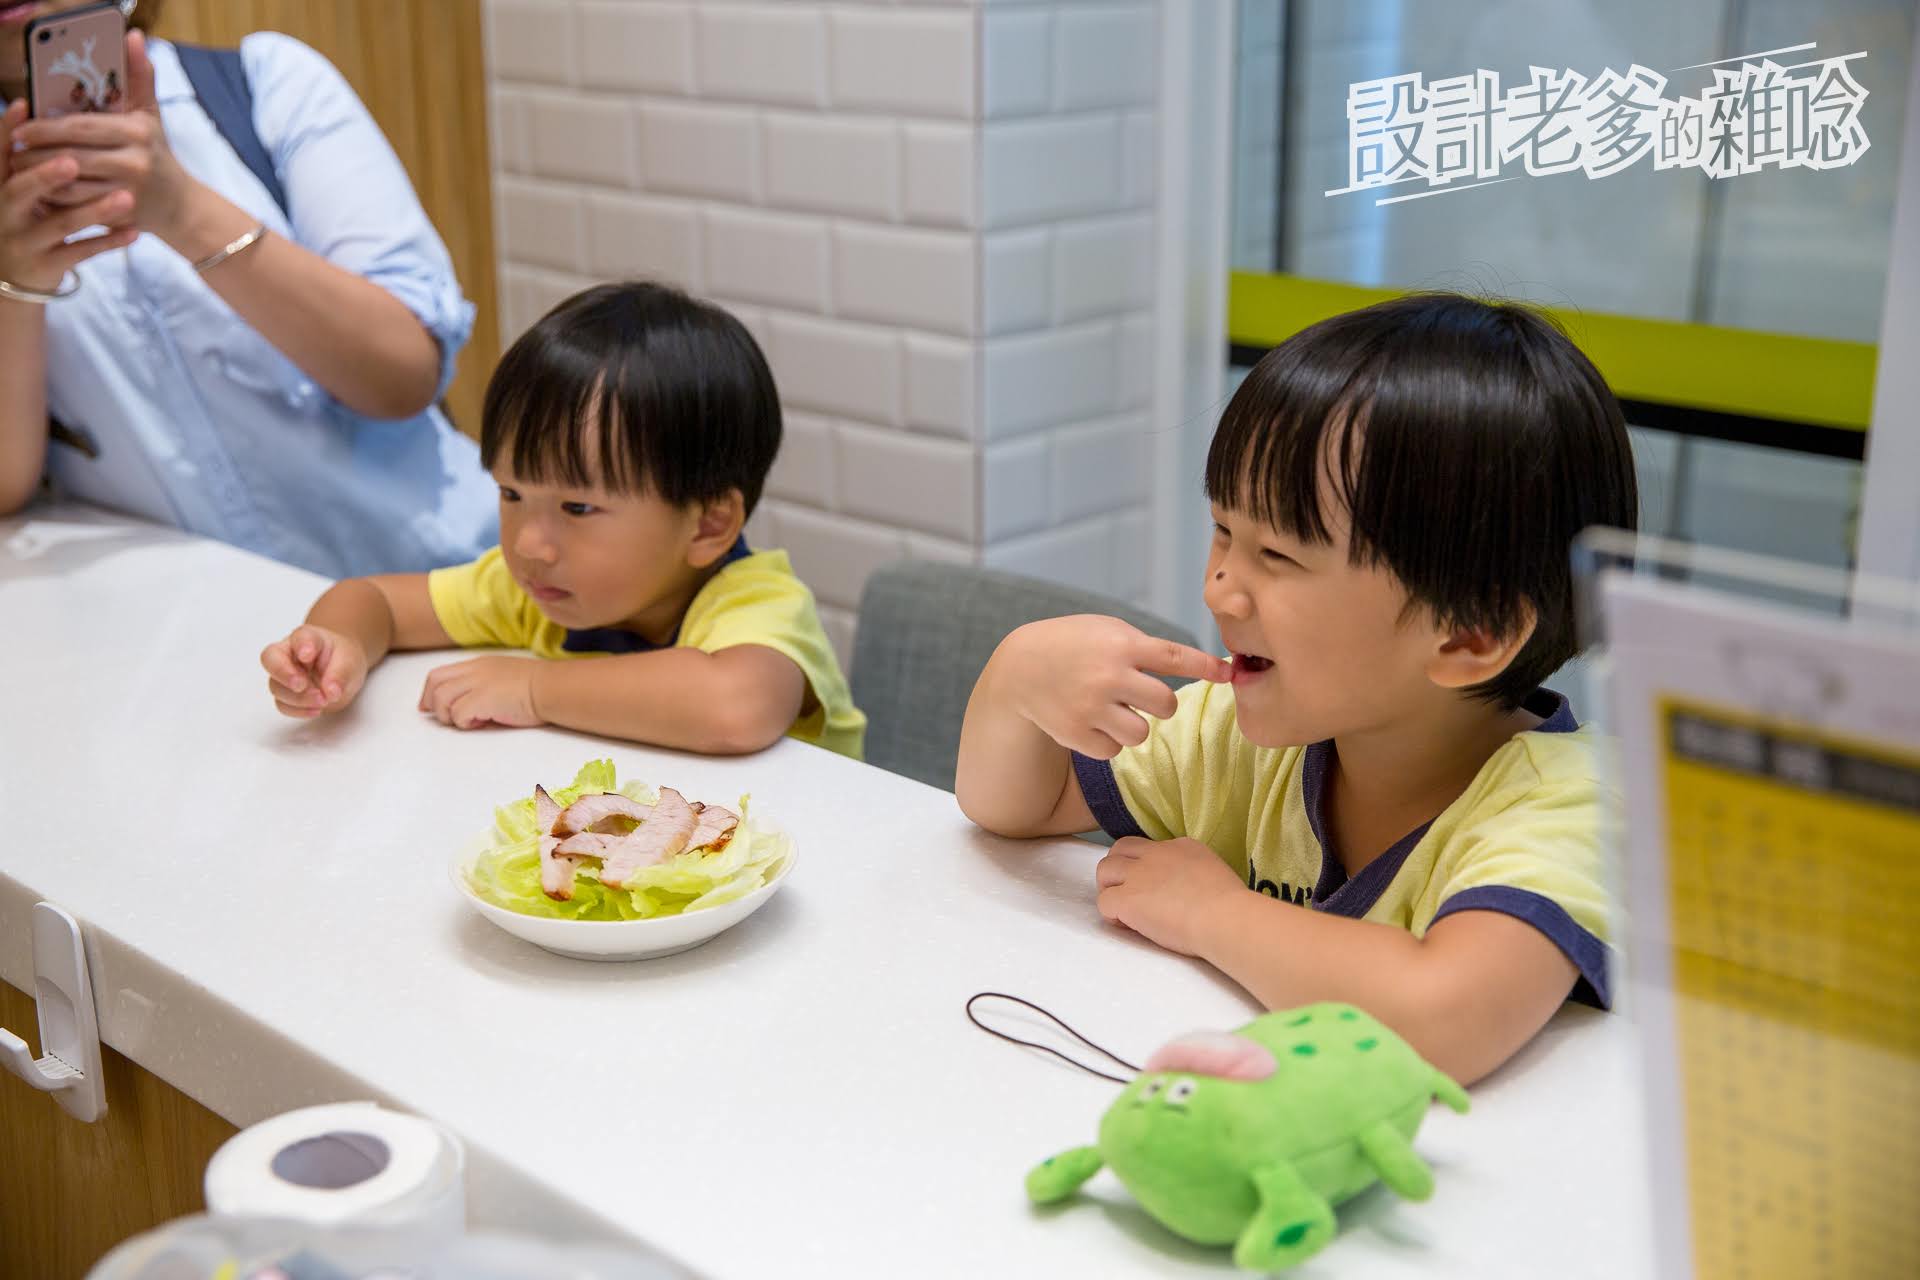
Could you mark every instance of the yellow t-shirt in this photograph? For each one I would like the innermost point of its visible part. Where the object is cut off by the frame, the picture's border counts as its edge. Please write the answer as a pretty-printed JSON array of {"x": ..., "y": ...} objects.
[
  {"x": 1524, "y": 839},
  {"x": 754, "y": 599}
]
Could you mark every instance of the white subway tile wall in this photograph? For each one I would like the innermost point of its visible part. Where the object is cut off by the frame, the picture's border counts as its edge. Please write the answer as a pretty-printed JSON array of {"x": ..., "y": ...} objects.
[
  {"x": 623, "y": 45},
  {"x": 762, "y": 53},
  {"x": 936, "y": 217},
  {"x": 1068, "y": 167},
  {"x": 942, "y": 374},
  {"x": 915, "y": 63},
  {"x": 643, "y": 236},
  {"x": 942, "y": 174}
]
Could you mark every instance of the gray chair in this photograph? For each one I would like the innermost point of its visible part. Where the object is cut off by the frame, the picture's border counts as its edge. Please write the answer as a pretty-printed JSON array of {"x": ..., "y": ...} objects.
[{"x": 926, "y": 632}]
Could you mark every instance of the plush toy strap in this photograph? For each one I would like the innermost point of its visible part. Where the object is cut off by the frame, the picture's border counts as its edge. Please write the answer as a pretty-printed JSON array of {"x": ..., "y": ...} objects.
[{"x": 1033, "y": 1044}]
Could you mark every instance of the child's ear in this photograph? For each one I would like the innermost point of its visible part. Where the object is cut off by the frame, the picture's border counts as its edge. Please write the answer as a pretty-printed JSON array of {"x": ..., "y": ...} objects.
[
  {"x": 717, "y": 528},
  {"x": 1468, "y": 656}
]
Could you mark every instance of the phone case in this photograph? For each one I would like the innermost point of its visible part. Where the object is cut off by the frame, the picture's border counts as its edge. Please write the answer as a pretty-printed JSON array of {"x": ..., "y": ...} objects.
[{"x": 77, "y": 61}]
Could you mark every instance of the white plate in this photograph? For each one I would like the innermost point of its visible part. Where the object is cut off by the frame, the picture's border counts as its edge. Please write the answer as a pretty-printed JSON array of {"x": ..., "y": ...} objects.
[{"x": 623, "y": 939}]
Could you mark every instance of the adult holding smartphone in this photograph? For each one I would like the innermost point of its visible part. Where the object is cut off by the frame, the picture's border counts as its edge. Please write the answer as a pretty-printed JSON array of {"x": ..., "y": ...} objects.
[{"x": 251, "y": 353}]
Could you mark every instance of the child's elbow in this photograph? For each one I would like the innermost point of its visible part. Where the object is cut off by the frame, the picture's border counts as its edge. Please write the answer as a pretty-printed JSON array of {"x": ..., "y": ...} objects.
[
  {"x": 1464, "y": 1038},
  {"x": 972, "y": 778},
  {"x": 970, "y": 806},
  {"x": 742, "y": 731},
  {"x": 977, "y": 804},
  {"x": 1460, "y": 1062},
  {"x": 16, "y": 495},
  {"x": 968, "y": 794}
]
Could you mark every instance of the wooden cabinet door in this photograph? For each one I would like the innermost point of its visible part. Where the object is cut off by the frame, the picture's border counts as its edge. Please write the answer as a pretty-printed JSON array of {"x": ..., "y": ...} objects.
[{"x": 71, "y": 1191}]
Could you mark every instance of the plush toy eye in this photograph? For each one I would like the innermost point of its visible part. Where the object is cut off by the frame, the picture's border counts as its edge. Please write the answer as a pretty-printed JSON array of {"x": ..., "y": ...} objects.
[
  {"x": 1181, "y": 1091},
  {"x": 1152, "y": 1090}
]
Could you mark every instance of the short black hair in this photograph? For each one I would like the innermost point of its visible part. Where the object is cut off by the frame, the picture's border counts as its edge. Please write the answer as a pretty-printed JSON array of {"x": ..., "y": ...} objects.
[
  {"x": 1469, "y": 442},
  {"x": 674, "y": 391}
]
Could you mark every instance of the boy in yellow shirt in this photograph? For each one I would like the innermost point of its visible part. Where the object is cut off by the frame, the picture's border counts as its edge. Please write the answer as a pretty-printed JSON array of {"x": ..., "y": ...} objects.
[
  {"x": 1394, "y": 493},
  {"x": 630, "y": 431}
]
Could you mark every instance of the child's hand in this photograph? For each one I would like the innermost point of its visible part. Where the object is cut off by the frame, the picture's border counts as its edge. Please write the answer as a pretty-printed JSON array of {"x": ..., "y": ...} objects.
[
  {"x": 483, "y": 691},
  {"x": 1164, "y": 890},
  {"x": 1081, "y": 679},
  {"x": 314, "y": 670}
]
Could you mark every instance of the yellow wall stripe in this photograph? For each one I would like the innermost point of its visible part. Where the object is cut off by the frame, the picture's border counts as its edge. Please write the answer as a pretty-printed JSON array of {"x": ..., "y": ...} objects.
[{"x": 1698, "y": 366}]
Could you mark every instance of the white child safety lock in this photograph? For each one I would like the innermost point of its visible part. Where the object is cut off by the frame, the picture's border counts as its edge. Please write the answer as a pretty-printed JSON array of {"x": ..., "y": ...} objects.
[{"x": 69, "y": 1066}]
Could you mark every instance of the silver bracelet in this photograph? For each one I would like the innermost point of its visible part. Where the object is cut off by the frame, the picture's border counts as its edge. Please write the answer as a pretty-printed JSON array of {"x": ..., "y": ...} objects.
[
  {"x": 244, "y": 243},
  {"x": 70, "y": 285}
]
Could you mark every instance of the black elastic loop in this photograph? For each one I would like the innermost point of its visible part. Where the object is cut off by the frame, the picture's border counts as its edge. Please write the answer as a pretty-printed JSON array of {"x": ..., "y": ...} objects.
[{"x": 1031, "y": 1044}]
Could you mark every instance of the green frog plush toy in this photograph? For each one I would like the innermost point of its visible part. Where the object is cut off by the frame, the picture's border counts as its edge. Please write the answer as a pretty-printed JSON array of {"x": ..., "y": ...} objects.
[{"x": 1251, "y": 1139}]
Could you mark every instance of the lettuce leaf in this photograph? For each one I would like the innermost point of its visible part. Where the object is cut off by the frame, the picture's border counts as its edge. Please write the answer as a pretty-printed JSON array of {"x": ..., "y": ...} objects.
[{"x": 507, "y": 873}]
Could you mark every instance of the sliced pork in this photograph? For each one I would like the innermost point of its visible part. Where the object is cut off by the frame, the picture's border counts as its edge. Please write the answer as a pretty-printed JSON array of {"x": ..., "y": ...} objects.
[
  {"x": 556, "y": 870},
  {"x": 612, "y": 813},
  {"x": 546, "y": 810},
  {"x": 664, "y": 834},
  {"x": 603, "y": 827},
  {"x": 713, "y": 827},
  {"x": 556, "y": 873}
]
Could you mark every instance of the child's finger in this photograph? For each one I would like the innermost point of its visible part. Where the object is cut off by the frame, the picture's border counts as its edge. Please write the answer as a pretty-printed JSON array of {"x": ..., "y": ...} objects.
[
  {"x": 1090, "y": 742},
  {"x": 1124, "y": 726},
  {"x": 465, "y": 712},
  {"x": 309, "y": 644},
  {"x": 1108, "y": 903},
  {"x": 1171, "y": 658},
  {"x": 335, "y": 672},
  {"x": 307, "y": 696},
  {"x": 296, "y": 710},
  {"x": 441, "y": 695},
  {"x": 1144, "y": 693},
  {"x": 430, "y": 691},
  {"x": 279, "y": 662}
]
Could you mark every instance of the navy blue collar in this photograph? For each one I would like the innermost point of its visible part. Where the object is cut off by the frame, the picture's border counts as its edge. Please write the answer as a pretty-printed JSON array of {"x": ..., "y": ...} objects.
[
  {"x": 620, "y": 640},
  {"x": 1337, "y": 894}
]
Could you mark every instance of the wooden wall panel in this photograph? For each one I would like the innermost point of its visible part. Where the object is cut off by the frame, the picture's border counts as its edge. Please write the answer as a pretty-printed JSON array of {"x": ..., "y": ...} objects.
[{"x": 420, "y": 67}]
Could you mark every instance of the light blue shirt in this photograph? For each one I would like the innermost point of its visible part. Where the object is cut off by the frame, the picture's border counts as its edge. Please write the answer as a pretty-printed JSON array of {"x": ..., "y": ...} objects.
[{"x": 199, "y": 422}]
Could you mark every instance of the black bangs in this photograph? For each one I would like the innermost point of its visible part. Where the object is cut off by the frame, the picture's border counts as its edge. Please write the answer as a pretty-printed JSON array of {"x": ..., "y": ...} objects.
[
  {"x": 1468, "y": 442},
  {"x": 1292, "y": 420},
  {"x": 635, "y": 388}
]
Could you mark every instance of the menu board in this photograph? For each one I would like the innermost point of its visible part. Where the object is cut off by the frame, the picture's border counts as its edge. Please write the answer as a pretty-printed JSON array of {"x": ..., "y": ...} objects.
[{"x": 1771, "y": 764}]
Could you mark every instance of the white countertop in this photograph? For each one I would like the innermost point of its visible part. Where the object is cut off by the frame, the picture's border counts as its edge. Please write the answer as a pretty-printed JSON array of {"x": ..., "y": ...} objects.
[{"x": 271, "y": 925}]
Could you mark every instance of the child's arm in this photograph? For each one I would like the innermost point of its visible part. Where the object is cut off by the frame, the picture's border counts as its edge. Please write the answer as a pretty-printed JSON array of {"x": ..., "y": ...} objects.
[
  {"x": 321, "y": 665},
  {"x": 735, "y": 701},
  {"x": 1065, "y": 684},
  {"x": 1468, "y": 995}
]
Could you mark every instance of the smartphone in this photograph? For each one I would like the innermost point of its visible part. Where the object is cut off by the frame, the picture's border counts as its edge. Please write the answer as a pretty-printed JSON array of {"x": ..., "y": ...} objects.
[{"x": 77, "y": 61}]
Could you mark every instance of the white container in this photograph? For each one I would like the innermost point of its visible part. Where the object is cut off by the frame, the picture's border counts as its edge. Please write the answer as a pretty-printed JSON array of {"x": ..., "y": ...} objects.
[
  {"x": 198, "y": 1248},
  {"x": 395, "y": 1183},
  {"x": 621, "y": 939}
]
